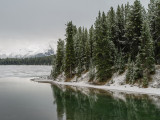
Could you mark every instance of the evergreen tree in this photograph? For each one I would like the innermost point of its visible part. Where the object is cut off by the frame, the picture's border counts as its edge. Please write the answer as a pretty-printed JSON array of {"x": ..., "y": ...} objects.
[
  {"x": 154, "y": 18},
  {"x": 79, "y": 47},
  {"x": 119, "y": 62},
  {"x": 148, "y": 46},
  {"x": 83, "y": 41},
  {"x": 70, "y": 55},
  {"x": 87, "y": 54},
  {"x": 91, "y": 71},
  {"x": 138, "y": 67},
  {"x": 103, "y": 49},
  {"x": 111, "y": 19},
  {"x": 133, "y": 74},
  {"x": 91, "y": 41},
  {"x": 59, "y": 57},
  {"x": 145, "y": 79},
  {"x": 126, "y": 12},
  {"x": 129, "y": 70},
  {"x": 120, "y": 27},
  {"x": 54, "y": 69},
  {"x": 58, "y": 63},
  {"x": 133, "y": 29}
]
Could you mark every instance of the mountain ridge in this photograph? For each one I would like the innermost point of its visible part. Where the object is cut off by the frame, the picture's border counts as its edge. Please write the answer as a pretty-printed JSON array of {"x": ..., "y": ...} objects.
[{"x": 37, "y": 51}]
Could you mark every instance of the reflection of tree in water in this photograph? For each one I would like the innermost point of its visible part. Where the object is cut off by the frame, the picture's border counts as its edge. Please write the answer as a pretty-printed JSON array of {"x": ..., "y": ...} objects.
[{"x": 92, "y": 104}]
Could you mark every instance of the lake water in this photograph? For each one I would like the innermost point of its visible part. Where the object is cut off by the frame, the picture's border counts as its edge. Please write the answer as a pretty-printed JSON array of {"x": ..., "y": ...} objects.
[{"x": 23, "y": 99}]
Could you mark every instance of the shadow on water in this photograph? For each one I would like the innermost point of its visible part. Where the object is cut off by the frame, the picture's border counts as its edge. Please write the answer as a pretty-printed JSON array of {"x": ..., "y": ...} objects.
[{"x": 76, "y": 103}]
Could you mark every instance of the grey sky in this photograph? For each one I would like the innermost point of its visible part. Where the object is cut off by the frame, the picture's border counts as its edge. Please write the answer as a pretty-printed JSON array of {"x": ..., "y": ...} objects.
[{"x": 34, "y": 22}]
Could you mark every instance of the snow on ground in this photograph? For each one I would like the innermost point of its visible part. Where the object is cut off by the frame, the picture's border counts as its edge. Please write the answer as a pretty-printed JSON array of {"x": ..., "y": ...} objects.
[
  {"x": 117, "y": 79},
  {"x": 117, "y": 83},
  {"x": 156, "y": 78},
  {"x": 61, "y": 77}
]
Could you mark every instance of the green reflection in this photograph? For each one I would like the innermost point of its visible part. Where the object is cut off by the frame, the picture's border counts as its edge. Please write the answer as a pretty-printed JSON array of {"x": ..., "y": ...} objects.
[{"x": 92, "y": 104}]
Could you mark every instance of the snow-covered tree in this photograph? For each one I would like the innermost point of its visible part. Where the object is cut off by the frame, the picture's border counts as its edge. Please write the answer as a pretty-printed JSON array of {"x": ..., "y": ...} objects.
[
  {"x": 87, "y": 51},
  {"x": 112, "y": 28},
  {"x": 138, "y": 67},
  {"x": 70, "y": 55},
  {"x": 133, "y": 29},
  {"x": 92, "y": 72},
  {"x": 103, "y": 49},
  {"x": 129, "y": 70},
  {"x": 58, "y": 63},
  {"x": 91, "y": 41},
  {"x": 120, "y": 27},
  {"x": 119, "y": 63},
  {"x": 148, "y": 46},
  {"x": 154, "y": 18}
]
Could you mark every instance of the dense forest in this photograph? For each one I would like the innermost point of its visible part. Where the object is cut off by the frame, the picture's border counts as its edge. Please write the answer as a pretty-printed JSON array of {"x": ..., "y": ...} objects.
[
  {"x": 28, "y": 61},
  {"x": 125, "y": 39}
]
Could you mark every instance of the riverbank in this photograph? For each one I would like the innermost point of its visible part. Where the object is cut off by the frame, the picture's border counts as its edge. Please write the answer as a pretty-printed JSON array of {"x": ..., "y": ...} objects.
[
  {"x": 120, "y": 88},
  {"x": 117, "y": 83}
]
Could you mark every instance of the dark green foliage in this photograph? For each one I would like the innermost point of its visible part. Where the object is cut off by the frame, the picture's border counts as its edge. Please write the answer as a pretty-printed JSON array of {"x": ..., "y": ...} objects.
[
  {"x": 115, "y": 39},
  {"x": 103, "y": 57},
  {"x": 120, "y": 28},
  {"x": 91, "y": 41},
  {"x": 82, "y": 50},
  {"x": 119, "y": 63},
  {"x": 111, "y": 20},
  {"x": 58, "y": 66},
  {"x": 145, "y": 62},
  {"x": 28, "y": 61},
  {"x": 133, "y": 29},
  {"x": 145, "y": 79},
  {"x": 138, "y": 67},
  {"x": 148, "y": 48},
  {"x": 154, "y": 18},
  {"x": 70, "y": 54},
  {"x": 129, "y": 70},
  {"x": 92, "y": 72},
  {"x": 87, "y": 51}
]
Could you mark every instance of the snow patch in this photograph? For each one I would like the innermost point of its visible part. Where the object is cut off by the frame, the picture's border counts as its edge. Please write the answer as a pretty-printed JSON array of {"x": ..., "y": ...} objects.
[
  {"x": 155, "y": 78},
  {"x": 117, "y": 83}
]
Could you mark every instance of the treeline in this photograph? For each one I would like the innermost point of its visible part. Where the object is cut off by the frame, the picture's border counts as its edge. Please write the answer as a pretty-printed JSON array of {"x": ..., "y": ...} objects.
[
  {"x": 28, "y": 61},
  {"x": 128, "y": 38}
]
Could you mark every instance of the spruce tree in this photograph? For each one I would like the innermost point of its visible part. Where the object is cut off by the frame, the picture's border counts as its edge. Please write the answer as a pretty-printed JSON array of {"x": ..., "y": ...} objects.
[
  {"x": 133, "y": 29},
  {"x": 103, "y": 58},
  {"x": 129, "y": 70},
  {"x": 138, "y": 67},
  {"x": 120, "y": 27},
  {"x": 154, "y": 18},
  {"x": 58, "y": 63},
  {"x": 70, "y": 55},
  {"x": 111, "y": 19},
  {"x": 126, "y": 12},
  {"x": 91, "y": 41},
  {"x": 87, "y": 53},
  {"x": 121, "y": 63},
  {"x": 92, "y": 71},
  {"x": 148, "y": 46},
  {"x": 54, "y": 69},
  {"x": 60, "y": 56}
]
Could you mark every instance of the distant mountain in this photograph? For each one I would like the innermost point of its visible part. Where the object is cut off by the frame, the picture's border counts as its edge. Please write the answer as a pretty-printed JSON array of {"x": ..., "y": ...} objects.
[{"x": 29, "y": 52}]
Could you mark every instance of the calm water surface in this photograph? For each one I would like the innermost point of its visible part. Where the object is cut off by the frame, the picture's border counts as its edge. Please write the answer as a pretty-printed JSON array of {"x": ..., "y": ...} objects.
[{"x": 22, "y": 99}]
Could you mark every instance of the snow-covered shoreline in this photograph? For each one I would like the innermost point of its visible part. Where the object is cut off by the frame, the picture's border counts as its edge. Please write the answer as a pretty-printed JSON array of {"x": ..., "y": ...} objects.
[
  {"x": 117, "y": 83},
  {"x": 122, "y": 88}
]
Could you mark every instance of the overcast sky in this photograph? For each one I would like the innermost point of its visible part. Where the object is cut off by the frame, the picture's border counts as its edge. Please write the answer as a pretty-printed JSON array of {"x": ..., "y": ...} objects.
[{"x": 25, "y": 23}]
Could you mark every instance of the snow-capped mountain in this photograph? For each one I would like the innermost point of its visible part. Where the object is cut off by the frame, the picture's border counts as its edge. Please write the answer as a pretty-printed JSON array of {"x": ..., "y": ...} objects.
[{"x": 30, "y": 51}]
